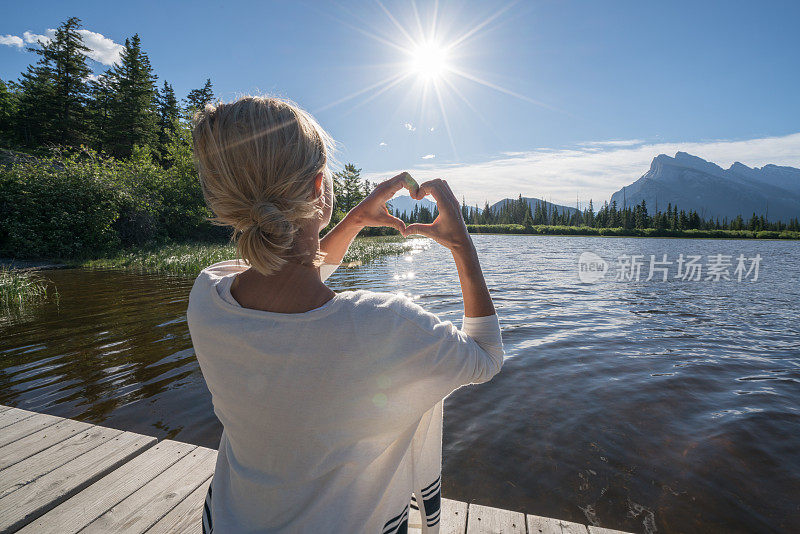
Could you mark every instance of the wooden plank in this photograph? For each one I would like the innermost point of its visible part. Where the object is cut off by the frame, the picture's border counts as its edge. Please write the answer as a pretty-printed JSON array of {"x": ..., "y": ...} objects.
[
  {"x": 488, "y": 520},
  {"x": 43, "y": 493},
  {"x": 140, "y": 510},
  {"x": 568, "y": 527},
  {"x": 601, "y": 530},
  {"x": 81, "y": 509},
  {"x": 454, "y": 517},
  {"x": 547, "y": 525},
  {"x": 27, "y": 426},
  {"x": 41, "y": 463},
  {"x": 186, "y": 517},
  {"x": 4, "y": 408},
  {"x": 38, "y": 442},
  {"x": 12, "y": 415},
  {"x": 543, "y": 525},
  {"x": 414, "y": 520}
]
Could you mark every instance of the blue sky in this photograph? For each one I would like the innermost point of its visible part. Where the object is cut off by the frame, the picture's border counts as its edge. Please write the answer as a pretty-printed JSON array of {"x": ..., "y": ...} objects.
[{"x": 574, "y": 98}]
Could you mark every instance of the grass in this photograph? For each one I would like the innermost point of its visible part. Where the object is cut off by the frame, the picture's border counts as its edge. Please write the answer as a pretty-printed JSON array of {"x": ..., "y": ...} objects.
[
  {"x": 20, "y": 288},
  {"x": 367, "y": 249},
  {"x": 189, "y": 259}
]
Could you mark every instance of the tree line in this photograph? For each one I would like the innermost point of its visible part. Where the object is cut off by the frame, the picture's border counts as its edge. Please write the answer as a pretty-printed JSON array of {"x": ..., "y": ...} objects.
[
  {"x": 350, "y": 188},
  {"x": 519, "y": 211},
  {"x": 57, "y": 101}
]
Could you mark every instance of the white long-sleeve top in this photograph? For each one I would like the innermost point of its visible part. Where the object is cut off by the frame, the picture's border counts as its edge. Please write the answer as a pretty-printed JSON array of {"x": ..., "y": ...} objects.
[{"x": 332, "y": 417}]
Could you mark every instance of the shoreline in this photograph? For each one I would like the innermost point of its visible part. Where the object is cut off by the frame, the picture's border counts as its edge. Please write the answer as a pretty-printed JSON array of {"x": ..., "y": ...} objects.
[
  {"x": 590, "y": 231},
  {"x": 183, "y": 257}
]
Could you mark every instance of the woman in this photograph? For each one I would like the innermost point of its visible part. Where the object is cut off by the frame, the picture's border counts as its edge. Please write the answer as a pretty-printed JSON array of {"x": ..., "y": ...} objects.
[{"x": 331, "y": 403}]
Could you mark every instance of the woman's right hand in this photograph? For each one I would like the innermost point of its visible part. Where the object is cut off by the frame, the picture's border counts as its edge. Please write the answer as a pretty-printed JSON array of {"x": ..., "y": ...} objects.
[{"x": 448, "y": 229}]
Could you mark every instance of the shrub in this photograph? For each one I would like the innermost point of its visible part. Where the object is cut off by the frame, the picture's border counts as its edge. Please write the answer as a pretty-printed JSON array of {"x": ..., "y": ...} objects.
[
  {"x": 57, "y": 208},
  {"x": 82, "y": 204}
]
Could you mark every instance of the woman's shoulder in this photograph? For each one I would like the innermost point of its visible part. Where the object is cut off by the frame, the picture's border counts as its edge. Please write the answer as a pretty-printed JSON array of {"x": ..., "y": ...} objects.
[
  {"x": 224, "y": 268},
  {"x": 393, "y": 306}
]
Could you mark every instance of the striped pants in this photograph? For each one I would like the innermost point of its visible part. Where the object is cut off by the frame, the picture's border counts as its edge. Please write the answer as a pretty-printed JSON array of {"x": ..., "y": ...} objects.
[{"x": 208, "y": 524}]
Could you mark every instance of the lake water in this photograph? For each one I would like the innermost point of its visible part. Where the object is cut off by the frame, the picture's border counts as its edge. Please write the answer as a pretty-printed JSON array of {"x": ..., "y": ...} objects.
[{"x": 649, "y": 406}]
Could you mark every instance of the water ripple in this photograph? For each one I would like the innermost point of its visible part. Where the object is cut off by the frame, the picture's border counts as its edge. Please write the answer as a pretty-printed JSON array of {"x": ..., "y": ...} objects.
[{"x": 645, "y": 406}]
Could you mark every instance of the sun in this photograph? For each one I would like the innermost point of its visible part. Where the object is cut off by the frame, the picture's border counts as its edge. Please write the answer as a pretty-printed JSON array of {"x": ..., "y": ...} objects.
[
  {"x": 428, "y": 61},
  {"x": 430, "y": 51}
]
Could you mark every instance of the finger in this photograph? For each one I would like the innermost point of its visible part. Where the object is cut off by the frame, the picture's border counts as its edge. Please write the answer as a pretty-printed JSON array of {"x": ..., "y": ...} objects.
[
  {"x": 386, "y": 189},
  {"x": 440, "y": 192},
  {"x": 410, "y": 183},
  {"x": 419, "y": 228},
  {"x": 394, "y": 222}
]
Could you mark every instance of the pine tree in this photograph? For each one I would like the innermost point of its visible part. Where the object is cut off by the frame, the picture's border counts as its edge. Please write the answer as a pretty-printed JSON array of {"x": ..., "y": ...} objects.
[
  {"x": 9, "y": 101},
  {"x": 54, "y": 91},
  {"x": 642, "y": 219},
  {"x": 527, "y": 220},
  {"x": 168, "y": 115},
  {"x": 487, "y": 217},
  {"x": 35, "y": 113},
  {"x": 198, "y": 98},
  {"x": 133, "y": 117},
  {"x": 368, "y": 187},
  {"x": 590, "y": 214},
  {"x": 351, "y": 192},
  {"x": 424, "y": 215},
  {"x": 68, "y": 54},
  {"x": 98, "y": 109},
  {"x": 614, "y": 218}
]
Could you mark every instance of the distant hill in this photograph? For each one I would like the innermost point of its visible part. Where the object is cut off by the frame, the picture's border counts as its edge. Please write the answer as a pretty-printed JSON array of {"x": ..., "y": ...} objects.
[
  {"x": 533, "y": 202},
  {"x": 405, "y": 203},
  {"x": 696, "y": 184}
]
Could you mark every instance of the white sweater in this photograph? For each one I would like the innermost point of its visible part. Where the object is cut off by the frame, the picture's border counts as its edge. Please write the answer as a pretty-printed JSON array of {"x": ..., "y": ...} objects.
[{"x": 332, "y": 417}]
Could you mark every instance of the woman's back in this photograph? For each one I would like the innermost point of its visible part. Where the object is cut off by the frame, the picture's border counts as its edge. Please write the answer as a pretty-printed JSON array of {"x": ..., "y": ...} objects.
[{"x": 321, "y": 408}]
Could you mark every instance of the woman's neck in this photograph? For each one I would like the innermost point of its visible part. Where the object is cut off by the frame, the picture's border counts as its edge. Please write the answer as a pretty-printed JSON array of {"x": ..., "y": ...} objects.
[{"x": 295, "y": 288}]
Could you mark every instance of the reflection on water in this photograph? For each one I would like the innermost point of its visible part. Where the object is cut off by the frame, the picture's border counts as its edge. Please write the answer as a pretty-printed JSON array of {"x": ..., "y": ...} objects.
[{"x": 646, "y": 406}]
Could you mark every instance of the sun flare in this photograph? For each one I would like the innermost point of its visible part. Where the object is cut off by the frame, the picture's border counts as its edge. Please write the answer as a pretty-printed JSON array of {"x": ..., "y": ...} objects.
[
  {"x": 431, "y": 49},
  {"x": 428, "y": 61}
]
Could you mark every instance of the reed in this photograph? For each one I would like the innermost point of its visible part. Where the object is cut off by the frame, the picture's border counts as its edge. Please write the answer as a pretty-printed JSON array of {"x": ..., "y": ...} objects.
[
  {"x": 188, "y": 259},
  {"x": 20, "y": 288}
]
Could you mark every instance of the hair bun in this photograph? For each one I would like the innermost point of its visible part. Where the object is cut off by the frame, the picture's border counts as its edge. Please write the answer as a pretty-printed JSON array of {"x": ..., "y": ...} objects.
[{"x": 269, "y": 219}]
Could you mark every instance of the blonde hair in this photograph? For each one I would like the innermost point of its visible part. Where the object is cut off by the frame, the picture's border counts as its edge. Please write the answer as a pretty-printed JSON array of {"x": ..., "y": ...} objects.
[{"x": 257, "y": 158}]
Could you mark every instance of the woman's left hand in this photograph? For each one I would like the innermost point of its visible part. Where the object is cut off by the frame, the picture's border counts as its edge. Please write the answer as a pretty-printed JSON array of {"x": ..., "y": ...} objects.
[{"x": 372, "y": 210}]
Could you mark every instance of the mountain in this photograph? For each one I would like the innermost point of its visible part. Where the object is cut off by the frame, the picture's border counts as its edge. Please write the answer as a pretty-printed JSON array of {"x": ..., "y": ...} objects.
[
  {"x": 533, "y": 202},
  {"x": 693, "y": 183},
  {"x": 405, "y": 203}
]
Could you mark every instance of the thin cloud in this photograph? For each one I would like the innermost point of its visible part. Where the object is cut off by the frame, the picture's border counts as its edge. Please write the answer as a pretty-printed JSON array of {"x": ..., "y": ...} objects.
[
  {"x": 101, "y": 48},
  {"x": 11, "y": 40},
  {"x": 32, "y": 38},
  {"x": 410, "y": 127},
  {"x": 429, "y": 156},
  {"x": 613, "y": 143},
  {"x": 592, "y": 173}
]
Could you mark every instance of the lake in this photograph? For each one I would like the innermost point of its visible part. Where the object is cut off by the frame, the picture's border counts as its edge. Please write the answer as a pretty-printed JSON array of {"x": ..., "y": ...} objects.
[{"x": 644, "y": 405}]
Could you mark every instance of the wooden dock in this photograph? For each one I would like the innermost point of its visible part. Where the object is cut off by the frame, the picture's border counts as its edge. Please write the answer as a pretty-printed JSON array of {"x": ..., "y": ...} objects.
[{"x": 64, "y": 476}]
